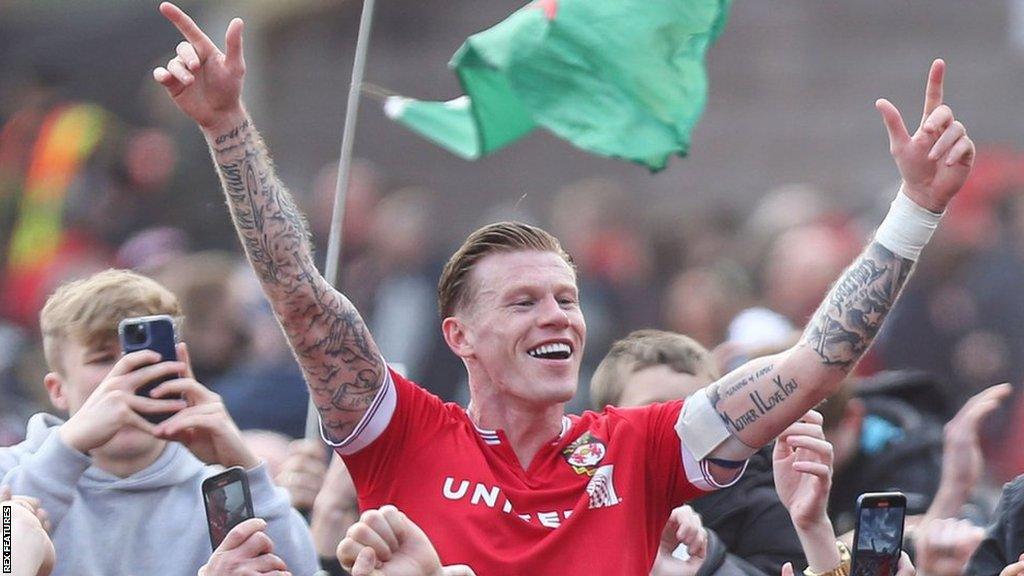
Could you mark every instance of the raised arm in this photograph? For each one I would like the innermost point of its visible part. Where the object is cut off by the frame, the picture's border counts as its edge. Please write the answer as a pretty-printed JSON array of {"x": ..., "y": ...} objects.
[
  {"x": 339, "y": 358},
  {"x": 760, "y": 399}
]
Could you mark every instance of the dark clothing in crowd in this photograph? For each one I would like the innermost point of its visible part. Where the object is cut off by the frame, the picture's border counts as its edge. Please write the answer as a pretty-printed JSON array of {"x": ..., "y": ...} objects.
[
  {"x": 1004, "y": 540},
  {"x": 268, "y": 395},
  {"x": 750, "y": 522},
  {"x": 900, "y": 449}
]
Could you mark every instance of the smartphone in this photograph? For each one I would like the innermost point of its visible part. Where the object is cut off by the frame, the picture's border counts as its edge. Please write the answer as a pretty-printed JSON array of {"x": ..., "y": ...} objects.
[
  {"x": 878, "y": 536},
  {"x": 228, "y": 502},
  {"x": 150, "y": 333}
]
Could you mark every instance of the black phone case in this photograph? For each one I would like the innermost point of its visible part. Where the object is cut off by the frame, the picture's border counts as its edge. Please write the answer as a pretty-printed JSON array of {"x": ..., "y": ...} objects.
[
  {"x": 161, "y": 340},
  {"x": 222, "y": 480},
  {"x": 870, "y": 500}
]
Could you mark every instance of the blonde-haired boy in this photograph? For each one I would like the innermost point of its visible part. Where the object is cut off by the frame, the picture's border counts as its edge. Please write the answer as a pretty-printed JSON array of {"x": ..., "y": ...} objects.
[{"x": 124, "y": 494}]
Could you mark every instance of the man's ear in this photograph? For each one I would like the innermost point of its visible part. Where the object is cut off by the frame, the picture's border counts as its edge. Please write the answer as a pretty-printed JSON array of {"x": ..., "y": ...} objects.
[
  {"x": 455, "y": 335},
  {"x": 55, "y": 389}
]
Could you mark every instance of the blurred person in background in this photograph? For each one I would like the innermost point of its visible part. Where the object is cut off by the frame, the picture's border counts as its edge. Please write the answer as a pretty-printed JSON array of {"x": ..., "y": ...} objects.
[
  {"x": 887, "y": 438},
  {"x": 362, "y": 197},
  {"x": 748, "y": 529},
  {"x": 106, "y": 472},
  {"x": 510, "y": 305},
  {"x": 264, "y": 389},
  {"x": 393, "y": 279},
  {"x": 701, "y": 303},
  {"x": 335, "y": 509},
  {"x": 216, "y": 328}
]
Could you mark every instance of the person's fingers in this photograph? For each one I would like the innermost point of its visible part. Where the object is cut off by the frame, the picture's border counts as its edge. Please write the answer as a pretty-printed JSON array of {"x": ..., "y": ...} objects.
[
  {"x": 241, "y": 532},
  {"x": 382, "y": 525},
  {"x": 134, "y": 360},
  {"x": 362, "y": 533},
  {"x": 813, "y": 417},
  {"x": 933, "y": 90},
  {"x": 802, "y": 429},
  {"x": 347, "y": 551},
  {"x": 182, "y": 349},
  {"x": 962, "y": 152},
  {"x": 167, "y": 80},
  {"x": 202, "y": 417},
  {"x": 148, "y": 374},
  {"x": 187, "y": 54},
  {"x": 813, "y": 468},
  {"x": 266, "y": 563},
  {"x": 176, "y": 67},
  {"x": 905, "y": 566},
  {"x": 946, "y": 140},
  {"x": 365, "y": 562},
  {"x": 457, "y": 570},
  {"x": 193, "y": 391},
  {"x": 936, "y": 123},
  {"x": 898, "y": 135},
  {"x": 153, "y": 405},
  {"x": 787, "y": 569},
  {"x": 189, "y": 29},
  {"x": 235, "y": 59},
  {"x": 821, "y": 448},
  {"x": 256, "y": 545},
  {"x": 5, "y": 493}
]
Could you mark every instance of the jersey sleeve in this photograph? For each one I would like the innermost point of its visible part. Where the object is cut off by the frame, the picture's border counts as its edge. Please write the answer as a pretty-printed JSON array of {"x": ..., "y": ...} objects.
[
  {"x": 669, "y": 457},
  {"x": 403, "y": 418}
]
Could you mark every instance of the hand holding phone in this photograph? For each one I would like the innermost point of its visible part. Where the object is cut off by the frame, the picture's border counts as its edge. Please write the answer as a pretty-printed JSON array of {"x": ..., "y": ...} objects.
[
  {"x": 878, "y": 536},
  {"x": 154, "y": 333},
  {"x": 228, "y": 502},
  {"x": 113, "y": 405}
]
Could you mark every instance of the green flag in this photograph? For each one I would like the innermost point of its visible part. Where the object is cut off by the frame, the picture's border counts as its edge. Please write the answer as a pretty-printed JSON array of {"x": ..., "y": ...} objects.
[{"x": 619, "y": 78}]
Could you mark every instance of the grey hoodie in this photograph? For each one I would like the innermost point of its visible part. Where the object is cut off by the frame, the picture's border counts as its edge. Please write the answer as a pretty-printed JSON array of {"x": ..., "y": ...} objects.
[{"x": 152, "y": 522}]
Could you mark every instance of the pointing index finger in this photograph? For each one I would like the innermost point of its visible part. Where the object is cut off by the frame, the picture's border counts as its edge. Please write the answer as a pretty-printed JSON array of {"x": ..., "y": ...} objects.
[
  {"x": 933, "y": 93},
  {"x": 189, "y": 29}
]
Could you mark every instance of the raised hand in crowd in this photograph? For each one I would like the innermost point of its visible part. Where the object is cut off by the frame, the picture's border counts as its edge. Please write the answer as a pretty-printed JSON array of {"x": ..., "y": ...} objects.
[
  {"x": 962, "y": 462},
  {"x": 935, "y": 160},
  {"x": 802, "y": 466},
  {"x": 204, "y": 426},
  {"x": 683, "y": 529},
  {"x": 32, "y": 552},
  {"x": 386, "y": 542},
  {"x": 942, "y": 546},
  {"x": 205, "y": 83},
  {"x": 303, "y": 472},
  {"x": 245, "y": 551},
  {"x": 114, "y": 404}
]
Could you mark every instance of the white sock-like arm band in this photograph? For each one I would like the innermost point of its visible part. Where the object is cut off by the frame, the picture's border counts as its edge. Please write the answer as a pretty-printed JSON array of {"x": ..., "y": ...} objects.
[
  {"x": 907, "y": 227},
  {"x": 701, "y": 429}
]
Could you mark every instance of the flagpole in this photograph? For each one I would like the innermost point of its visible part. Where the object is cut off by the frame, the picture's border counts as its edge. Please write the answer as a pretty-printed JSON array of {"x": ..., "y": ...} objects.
[{"x": 344, "y": 165}]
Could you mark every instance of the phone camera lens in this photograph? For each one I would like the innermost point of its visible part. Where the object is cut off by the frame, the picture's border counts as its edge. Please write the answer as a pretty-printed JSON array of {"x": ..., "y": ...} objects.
[{"x": 136, "y": 333}]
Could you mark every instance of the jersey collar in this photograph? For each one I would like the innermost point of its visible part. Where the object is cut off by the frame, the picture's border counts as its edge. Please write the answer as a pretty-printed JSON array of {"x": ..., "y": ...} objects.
[{"x": 492, "y": 438}]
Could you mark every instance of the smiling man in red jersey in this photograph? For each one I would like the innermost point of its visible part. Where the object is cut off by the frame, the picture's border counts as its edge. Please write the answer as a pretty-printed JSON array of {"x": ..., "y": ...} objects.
[{"x": 512, "y": 485}]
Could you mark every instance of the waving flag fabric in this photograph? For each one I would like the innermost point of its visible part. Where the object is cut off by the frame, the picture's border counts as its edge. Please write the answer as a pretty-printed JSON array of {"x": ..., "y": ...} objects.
[{"x": 619, "y": 78}]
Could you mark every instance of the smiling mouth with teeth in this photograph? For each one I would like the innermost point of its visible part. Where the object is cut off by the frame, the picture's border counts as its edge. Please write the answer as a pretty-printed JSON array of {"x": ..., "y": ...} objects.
[{"x": 557, "y": 351}]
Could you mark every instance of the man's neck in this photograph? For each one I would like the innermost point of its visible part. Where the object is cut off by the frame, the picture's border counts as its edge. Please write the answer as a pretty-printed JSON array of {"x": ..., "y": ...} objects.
[
  {"x": 125, "y": 467},
  {"x": 527, "y": 428}
]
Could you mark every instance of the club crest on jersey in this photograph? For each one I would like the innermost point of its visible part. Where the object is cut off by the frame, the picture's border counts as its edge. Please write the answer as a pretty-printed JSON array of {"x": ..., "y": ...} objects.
[
  {"x": 584, "y": 454},
  {"x": 601, "y": 488}
]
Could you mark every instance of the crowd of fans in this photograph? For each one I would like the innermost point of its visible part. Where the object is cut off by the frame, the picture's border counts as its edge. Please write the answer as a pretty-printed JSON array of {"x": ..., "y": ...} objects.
[{"x": 82, "y": 192}]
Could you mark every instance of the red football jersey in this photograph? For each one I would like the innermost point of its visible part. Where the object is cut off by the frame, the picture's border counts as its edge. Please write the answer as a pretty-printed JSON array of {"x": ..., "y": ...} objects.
[{"x": 593, "y": 501}]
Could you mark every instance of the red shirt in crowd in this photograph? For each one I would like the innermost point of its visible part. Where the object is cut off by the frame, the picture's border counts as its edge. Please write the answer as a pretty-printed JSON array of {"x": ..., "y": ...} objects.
[{"x": 593, "y": 501}]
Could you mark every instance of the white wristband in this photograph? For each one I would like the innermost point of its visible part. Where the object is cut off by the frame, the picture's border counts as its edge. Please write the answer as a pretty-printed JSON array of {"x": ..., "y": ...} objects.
[{"x": 907, "y": 227}]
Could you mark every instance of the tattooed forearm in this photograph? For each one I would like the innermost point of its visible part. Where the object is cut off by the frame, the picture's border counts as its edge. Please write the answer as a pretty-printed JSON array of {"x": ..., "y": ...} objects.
[
  {"x": 337, "y": 354},
  {"x": 847, "y": 321}
]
